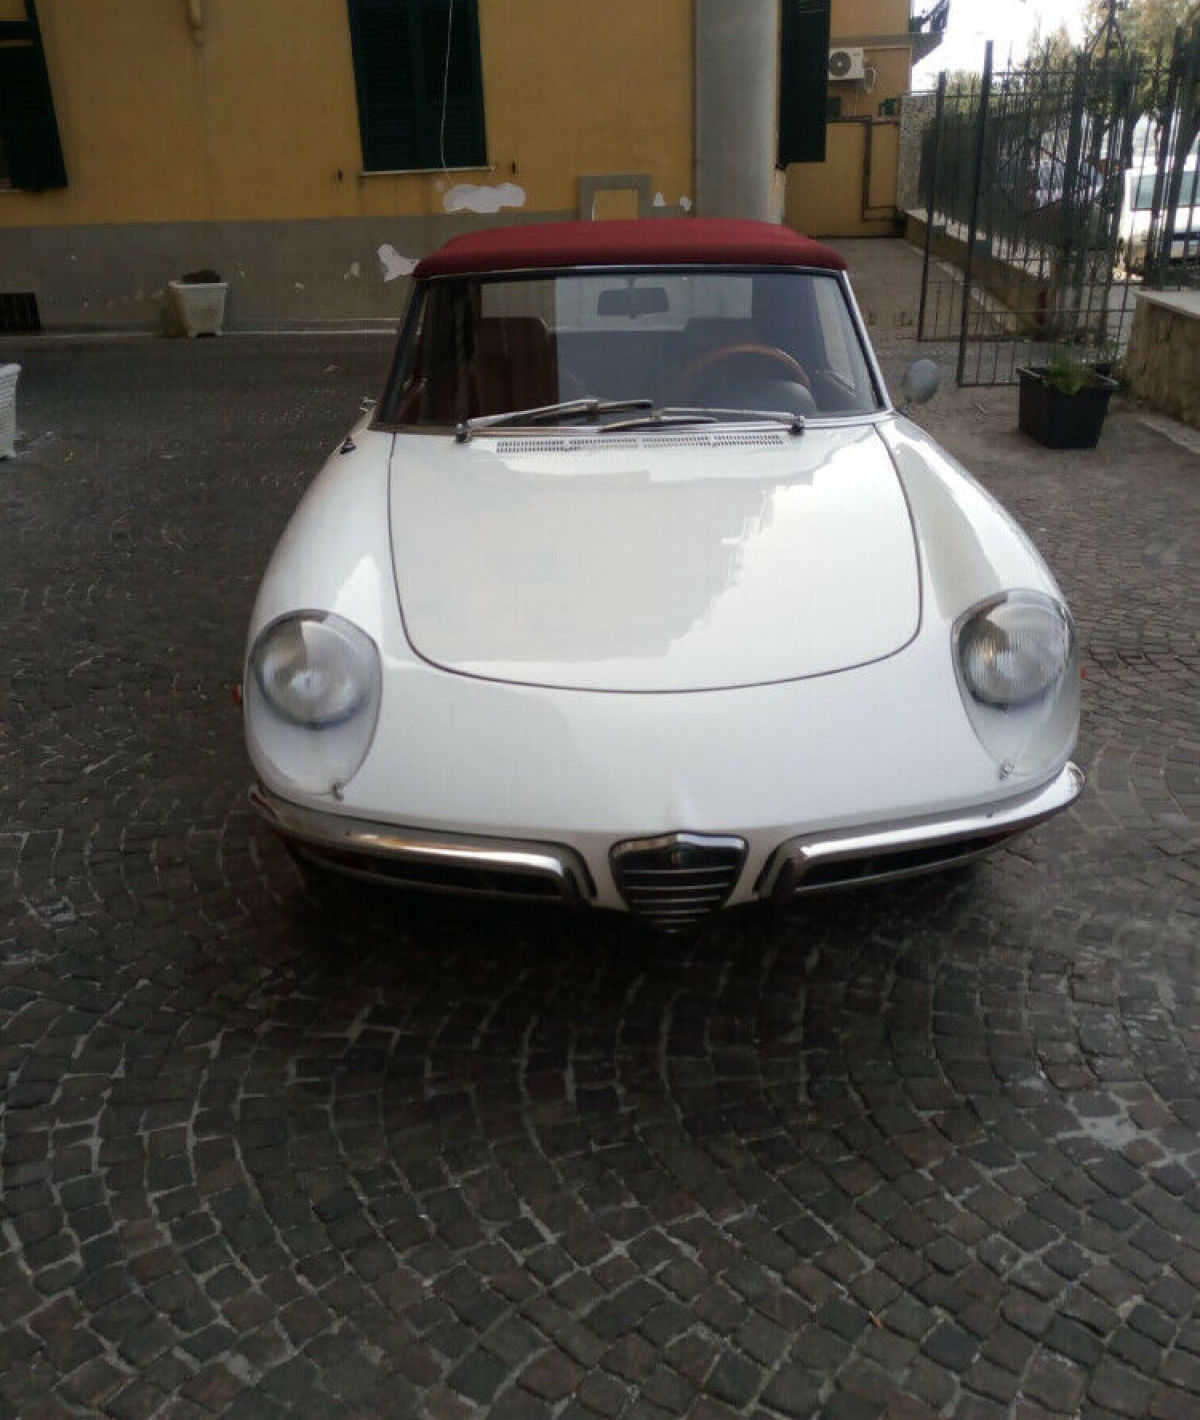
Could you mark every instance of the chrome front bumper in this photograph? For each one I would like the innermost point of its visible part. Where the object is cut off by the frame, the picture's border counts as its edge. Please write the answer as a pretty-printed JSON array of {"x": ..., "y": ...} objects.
[
  {"x": 855, "y": 857},
  {"x": 553, "y": 872},
  {"x": 435, "y": 862}
]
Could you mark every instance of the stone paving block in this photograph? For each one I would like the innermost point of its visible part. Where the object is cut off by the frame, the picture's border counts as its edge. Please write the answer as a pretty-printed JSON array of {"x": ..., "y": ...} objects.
[{"x": 552, "y": 1375}]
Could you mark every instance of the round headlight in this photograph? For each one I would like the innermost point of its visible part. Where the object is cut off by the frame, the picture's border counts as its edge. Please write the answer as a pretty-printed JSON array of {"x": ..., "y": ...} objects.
[
  {"x": 315, "y": 670},
  {"x": 1013, "y": 651},
  {"x": 313, "y": 691},
  {"x": 1019, "y": 679}
]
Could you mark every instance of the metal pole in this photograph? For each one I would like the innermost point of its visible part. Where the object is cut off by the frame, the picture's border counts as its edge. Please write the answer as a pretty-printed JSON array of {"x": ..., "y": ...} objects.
[
  {"x": 939, "y": 111},
  {"x": 1186, "y": 59},
  {"x": 985, "y": 90},
  {"x": 1151, "y": 272},
  {"x": 1073, "y": 246}
]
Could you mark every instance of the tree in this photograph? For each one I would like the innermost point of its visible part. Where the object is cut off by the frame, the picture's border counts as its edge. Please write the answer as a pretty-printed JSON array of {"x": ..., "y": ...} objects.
[
  {"x": 1147, "y": 28},
  {"x": 1050, "y": 51},
  {"x": 1145, "y": 25}
]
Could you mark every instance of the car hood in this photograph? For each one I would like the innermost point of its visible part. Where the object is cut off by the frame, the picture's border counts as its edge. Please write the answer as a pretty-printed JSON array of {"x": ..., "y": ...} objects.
[{"x": 679, "y": 560}]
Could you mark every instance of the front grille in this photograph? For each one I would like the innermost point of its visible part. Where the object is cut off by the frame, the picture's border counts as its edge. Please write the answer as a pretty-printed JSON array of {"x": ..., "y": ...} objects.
[{"x": 677, "y": 880}]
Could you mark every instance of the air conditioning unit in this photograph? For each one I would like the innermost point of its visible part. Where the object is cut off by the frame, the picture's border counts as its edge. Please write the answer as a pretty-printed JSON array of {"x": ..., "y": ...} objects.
[{"x": 845, "y": 64}]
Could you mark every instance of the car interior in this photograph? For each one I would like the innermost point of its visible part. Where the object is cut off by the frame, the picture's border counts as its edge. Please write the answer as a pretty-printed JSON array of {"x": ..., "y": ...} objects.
[{"x": 466, "y": 364}]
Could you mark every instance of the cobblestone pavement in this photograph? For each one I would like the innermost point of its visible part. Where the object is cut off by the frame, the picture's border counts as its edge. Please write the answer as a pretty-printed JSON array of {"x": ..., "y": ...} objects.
[{"x": 931, "y": 1149}]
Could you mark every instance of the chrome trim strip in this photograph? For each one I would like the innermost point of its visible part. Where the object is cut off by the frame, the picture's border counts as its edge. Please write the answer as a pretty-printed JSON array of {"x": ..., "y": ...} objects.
[
  {"x": 783, "y": 876},
  {"x": 312, "y": 830},
  {"x": 864, "y": 340},
  {"x": 637, "y": 268},
  {"x": 726, "y": 843}
]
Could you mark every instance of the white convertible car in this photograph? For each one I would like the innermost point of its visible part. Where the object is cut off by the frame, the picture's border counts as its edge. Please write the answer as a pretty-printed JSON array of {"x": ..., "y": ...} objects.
[{"x": 635, "y": 591}]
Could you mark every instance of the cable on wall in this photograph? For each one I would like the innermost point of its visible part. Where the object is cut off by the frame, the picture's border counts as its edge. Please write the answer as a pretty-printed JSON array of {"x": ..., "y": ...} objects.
[{"x": 446, "y": 85}]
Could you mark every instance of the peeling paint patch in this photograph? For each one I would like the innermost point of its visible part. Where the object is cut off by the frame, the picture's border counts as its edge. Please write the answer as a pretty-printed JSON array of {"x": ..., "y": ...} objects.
[
  {"x": 353, "y": 272},
  {"x": 659, "y": 200},
  {"x": 393, "y": 263},
  {"x": 685, "y": 203},
  {"x": 298, "y": 285},
  {"x": 467, "y": 197}
]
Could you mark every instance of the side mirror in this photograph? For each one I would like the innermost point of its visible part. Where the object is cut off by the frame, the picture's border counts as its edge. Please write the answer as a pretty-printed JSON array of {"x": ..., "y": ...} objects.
[{"x": 920, "y": 382}]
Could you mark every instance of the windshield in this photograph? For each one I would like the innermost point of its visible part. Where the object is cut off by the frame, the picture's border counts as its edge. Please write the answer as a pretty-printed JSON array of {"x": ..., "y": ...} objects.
[{"x": 738, "y": 343}]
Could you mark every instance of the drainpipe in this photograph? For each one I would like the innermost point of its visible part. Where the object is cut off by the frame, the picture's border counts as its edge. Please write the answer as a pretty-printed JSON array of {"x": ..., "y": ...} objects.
[{"x": 737, "y": 83}]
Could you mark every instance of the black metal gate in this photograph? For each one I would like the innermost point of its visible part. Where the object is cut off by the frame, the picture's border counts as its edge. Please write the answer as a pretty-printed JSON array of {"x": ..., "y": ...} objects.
[{"x": 1051, "y": 194}]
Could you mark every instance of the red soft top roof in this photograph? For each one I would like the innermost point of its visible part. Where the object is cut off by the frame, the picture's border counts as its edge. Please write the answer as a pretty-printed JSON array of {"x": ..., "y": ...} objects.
[{"x": 654, "y": 241}]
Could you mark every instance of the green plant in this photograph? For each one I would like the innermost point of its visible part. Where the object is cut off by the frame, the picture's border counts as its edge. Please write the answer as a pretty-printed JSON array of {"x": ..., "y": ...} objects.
[
  {"x": 1072, "y": 368},
  {"x": 1066, "y": 377}
]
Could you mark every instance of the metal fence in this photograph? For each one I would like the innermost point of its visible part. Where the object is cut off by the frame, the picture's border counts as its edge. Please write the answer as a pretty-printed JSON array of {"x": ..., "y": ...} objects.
[{"x": 1051, "y": 193}]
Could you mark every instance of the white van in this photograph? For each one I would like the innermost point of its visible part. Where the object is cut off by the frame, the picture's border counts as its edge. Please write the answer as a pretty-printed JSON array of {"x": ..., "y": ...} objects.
[{"x": 1137, "y": 207}]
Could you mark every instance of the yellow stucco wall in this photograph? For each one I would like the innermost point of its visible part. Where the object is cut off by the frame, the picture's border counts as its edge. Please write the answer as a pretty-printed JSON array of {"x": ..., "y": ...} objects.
[
  {"x": 891, "y": 69},
  {"x": 863, "y": 17},
  {"x": 258, "y": 119},
  {"x": 826, "y": 199}
]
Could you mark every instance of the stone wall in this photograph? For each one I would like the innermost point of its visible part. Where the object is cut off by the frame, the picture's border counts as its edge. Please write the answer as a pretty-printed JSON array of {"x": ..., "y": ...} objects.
[
  {"x": 1162, "y": 363},
  {"x": 916, "y": 114}
]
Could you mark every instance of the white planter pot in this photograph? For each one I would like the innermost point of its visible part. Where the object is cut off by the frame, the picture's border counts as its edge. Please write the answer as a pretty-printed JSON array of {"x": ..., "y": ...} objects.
[
  {"x": 200, "y": 308},
  {"x": 8, "y": 409}
]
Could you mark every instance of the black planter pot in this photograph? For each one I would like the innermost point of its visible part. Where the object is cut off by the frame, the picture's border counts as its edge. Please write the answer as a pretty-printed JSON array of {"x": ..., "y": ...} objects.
[{"x": 1058, "y": 420}]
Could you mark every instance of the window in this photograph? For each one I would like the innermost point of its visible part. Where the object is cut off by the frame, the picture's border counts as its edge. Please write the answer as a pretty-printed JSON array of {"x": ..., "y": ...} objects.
[
  {"x": 30, "y": 153},
  {"x": 420, "y": 92},
  {"x": 803, "y": 81},
  {"x": 1189, "y": 190},
  {"x": 843, "y": 355}
]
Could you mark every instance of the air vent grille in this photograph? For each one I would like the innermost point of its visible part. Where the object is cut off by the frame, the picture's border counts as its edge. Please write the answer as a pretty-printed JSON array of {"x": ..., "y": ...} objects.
[
  {"x": 739, "y": 441},
  {"x": 603, "y": 443}
]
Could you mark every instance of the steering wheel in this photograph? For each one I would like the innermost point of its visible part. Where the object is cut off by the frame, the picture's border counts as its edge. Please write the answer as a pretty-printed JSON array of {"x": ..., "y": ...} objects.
[{"x": 711, "y": 358}]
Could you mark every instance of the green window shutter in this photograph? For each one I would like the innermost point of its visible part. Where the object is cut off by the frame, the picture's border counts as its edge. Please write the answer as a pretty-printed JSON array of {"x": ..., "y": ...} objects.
[
  {"x": 30, "y": 152},
  {"x": 803, "y": 81},
  {"x": 401, "y": 69}
]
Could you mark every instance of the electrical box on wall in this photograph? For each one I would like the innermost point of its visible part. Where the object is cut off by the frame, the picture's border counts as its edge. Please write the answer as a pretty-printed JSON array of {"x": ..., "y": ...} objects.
[{"x": 845, "y": 64}]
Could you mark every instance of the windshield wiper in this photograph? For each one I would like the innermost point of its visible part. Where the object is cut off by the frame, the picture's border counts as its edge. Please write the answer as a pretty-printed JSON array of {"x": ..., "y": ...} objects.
[
  {"x": 584, "y": 408},
  {"x": 672, "y": 415}
]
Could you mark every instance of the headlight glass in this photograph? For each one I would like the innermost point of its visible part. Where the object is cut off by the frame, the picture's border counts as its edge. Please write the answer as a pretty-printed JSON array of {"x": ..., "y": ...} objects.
[
  {"x": 312, "y": 699},
  {"x": 314, "y": 672},
  {"x": 1018, "y": 672},
  {"x": 1014, "y": 651}
]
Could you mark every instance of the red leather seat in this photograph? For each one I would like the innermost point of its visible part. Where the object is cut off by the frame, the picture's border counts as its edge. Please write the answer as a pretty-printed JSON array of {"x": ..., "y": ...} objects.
[{"x": 514, "y": 366}]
